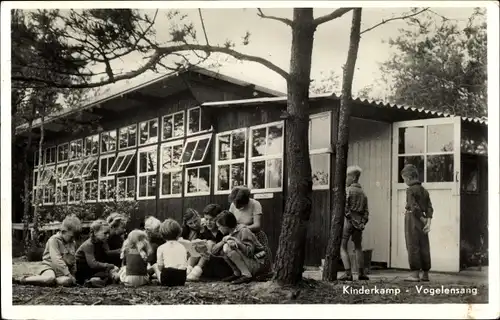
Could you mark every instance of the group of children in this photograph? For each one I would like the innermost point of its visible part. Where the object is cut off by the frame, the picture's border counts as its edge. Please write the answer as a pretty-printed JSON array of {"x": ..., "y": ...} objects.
[
  {"x": 418, "y": 217},
  {"x": 152, "y": 254}
]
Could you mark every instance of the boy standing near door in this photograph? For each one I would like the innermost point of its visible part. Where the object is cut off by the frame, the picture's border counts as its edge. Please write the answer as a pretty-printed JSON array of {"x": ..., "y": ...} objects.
[{"x": 418, "y": 217}]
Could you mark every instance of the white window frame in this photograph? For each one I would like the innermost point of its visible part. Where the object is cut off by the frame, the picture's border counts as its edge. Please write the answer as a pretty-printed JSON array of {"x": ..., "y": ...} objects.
[
  {"x": 126, "y": 191},
  {"x": 328, "y": 151},
  {"x": 67, "y": 152},
  {"x": 229, "y": 162},
  {"x": 93, "y": 139},
  {"x": 45, "y": 155},
  {"x": 85, "y": 187},
  {"x": 60, "y": 185},
  {"x": 200, "y": 131},
  {"x": 106, "y": 178},
  {"x": 85, "y": 169},
  {"x": 172, "y": 116},
  {"x": 77, "y": 141},
  {"x": 252, "y": 159},
  {"x": 128, "y": 133},
  {"x": 108, "y": 133},
  {"x": 48, "y": 169},
  {"x": 69, "y": 184},
  {"x": 148, "y": 125},
  {"x": 146, "y": 174},
  {"x": 123, "y": 155},
  {"x": 194, "y": 194},
  {"x": 44, "y": 190},
  {"x": 197, "y": 138},
  {"x": 78, "y": 164},
  {"x": 176, "y": 169}
]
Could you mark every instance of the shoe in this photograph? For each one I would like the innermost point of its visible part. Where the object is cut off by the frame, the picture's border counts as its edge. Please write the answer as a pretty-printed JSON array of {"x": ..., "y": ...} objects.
[
  {"x": 363, "y": 277},
  {"x": 95, "y": 283},
  {"x": 230, "y": 278},
  {"x": 425, "y": 276},
  {"x": 413, "y": 277},
  {"x": 346, "y": 277},
  {"x": 242, "y": 279},
  {"x": 195, "y": 274}
]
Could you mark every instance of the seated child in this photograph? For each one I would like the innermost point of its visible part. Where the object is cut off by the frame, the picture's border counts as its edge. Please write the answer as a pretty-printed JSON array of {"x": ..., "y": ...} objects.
[
  {"x": 92, "y": 267},
  {"x": 58, "y": 264},
  {"x": 240, "y": 248},
  {"x": 192, "y": 229},
  {"x": 152, "y": 228},
  {"x": 135, "y": 253},
  {"x": 171, "y": 256},
  {"x": 117, "y": 223}
]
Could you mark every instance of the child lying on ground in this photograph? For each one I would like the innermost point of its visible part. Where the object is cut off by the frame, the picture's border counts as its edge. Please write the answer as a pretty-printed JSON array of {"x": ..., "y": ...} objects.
[
  {"x": 135, "y": 252},
  {"x": 58, "y": 264},
  {"x": 240, "y": 248},
  {"x": 171, "y": 256},
  {"x": 92, "y": 259}
]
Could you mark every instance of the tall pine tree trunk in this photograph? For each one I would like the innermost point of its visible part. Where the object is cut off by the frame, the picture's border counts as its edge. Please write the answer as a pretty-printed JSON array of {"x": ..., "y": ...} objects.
[
  {"x": 341, "y": 148},
  {"x": 39, "y": 194},
  {"x": 291, "y": 251},
  {"x": 27, "y": 200}
]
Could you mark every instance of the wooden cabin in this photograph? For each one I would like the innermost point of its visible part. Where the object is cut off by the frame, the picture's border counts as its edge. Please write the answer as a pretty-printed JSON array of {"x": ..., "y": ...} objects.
[{"x": 185, "y": 140}]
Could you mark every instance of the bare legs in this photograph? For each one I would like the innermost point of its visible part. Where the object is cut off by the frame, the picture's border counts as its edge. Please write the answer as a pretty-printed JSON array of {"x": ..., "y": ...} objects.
[{"x": 47, "y": 278}]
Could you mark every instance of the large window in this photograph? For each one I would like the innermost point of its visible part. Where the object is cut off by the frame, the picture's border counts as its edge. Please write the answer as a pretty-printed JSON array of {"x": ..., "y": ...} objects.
[
  {"x": 230, "y": 160},
  {"x": 146, "y": 172},
  {"x": 107, "y": 184},
  {"x": 108, "y": 141},
  {"x": 61, "y": 185},
  {"x": 75, "y": 192},
  {"x": 90, "y": 190},
  {"x": 170, "y": 170},
  {"x": 198, "y": 181},
  {"x": 195, "y": 149},
  {"x": 73, "y": 170},
  {"x": 430, "y": 149},
  {"x": 128, "y": 137},
  {"x": 63, "y": 152},
  {"x": 122, "y": 162},
  {"x": 46, "y": 185},
  {"x": 50, "y": 155},
  {"x": 126, "y": 188},
  {"x": 91, "y": 145},
  {"x": 173, "y": 126},
  {"x": 148, "y": 132},
  {"x": 320, "y": 149},
  {"x": 265, "y": 159},
  {"x": 194, "y": 120},
  {"x": 75, "y": 149}
]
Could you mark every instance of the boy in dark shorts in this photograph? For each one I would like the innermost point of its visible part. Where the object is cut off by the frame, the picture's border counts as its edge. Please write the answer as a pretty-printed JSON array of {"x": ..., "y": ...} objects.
[{"x": 356, "y": 217}]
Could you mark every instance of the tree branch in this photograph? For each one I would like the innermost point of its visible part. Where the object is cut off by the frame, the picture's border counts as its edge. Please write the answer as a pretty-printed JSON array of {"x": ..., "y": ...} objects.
[
  {"x": 393, "y": 19},
  {"x": 283, "y": 20},
  {"x": 332, "y": 16}
]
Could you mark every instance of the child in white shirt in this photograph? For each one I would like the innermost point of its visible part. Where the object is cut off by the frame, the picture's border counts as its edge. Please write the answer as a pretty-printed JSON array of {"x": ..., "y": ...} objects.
[{"x": 172, "y": 256}]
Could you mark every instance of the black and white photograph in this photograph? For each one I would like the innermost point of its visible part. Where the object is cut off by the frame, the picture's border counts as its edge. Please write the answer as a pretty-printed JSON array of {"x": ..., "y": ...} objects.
[{"x": 234, "y": 159}]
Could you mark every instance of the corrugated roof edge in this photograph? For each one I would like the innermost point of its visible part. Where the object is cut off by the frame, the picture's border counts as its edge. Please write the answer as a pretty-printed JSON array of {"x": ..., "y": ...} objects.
[
  {"x": 483, "y": 120},
  {"x": 104, "y": 97}
]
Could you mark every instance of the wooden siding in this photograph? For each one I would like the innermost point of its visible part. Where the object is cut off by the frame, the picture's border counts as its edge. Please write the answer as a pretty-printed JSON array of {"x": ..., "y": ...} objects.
[{"x": 370, "y": 148}]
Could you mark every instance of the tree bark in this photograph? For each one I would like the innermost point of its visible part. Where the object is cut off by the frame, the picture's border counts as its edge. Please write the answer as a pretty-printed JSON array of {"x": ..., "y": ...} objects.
[
  {"x": 290, "y": 257},
  {"x": 341, "y": 148},
  {"x": 27, "y": 200},
  {"x": 39, "y": 194}
]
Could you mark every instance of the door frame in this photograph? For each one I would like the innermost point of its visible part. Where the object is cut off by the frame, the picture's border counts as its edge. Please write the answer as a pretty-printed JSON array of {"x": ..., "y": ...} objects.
[{"x": 454, "y": 185}]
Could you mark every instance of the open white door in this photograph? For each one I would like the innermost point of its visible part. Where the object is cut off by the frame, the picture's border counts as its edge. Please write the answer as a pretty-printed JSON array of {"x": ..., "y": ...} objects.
[{"x": 433, "y": 146}]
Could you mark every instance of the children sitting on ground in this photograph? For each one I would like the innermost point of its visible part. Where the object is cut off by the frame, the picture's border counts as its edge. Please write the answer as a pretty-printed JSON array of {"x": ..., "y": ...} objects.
[
  {"x": 356, "y": 217},
  {"x": 92, "y": 258},
  {"x": 418, "y": 217},
  {"x": 135, "y": 253},
  {"x": 152, "y": 227},
  {"x": 117, "y": 223},
  {"x": 239, "y": 247},
  {"x": 58, "y": 261},
  {"x": 171, "y": 256},
  {"x": 192, "y": 230}
]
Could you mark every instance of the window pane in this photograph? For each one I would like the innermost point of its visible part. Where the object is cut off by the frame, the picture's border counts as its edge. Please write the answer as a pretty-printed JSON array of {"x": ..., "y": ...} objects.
[
  {"x": 143, "y": 162},
  {"x": 132, "y": 136},
  {"x": 93, "y": 190},
  {"x": 190, "y": 146},
  {"x": 273, "y": 173},
  {"x": 112, "y": 141},
  {"x": 126, "y": 162},
  {"x": 319, "y": 165},
  {"x": 166, "y": 157},
  {"x": 116, "y": 164},
  {"x": 167, "y": 127},
  {"x": 238, "y": 145},
  {"x": 192, "y": 182},
  {"x": 152, "y": 161},
  {"x": 259, "y": 142},
  {"x": 121, "y": 187},
  {"x": 103, "y": 167},
  {"x": 275, "y": 140},
  {"x": 176, "y": 182},
  {"x": 176, "y": 157},
  {"x": 179, "y": 124},
  {"x": 417, "y": 161},
  {"x": 130, "y": 187},
  {"x": 258, "y": 174},
  {"x": 237, "y": 174},
  {"x": 200, "y": 149},
  {"x": 411, "y": 140},
  {"x": 111, "y": 161},
  {"x": 88, "y": 145},
  {"x": 204, "y": 179},
  {"x": 223, "y": 177},
  {"x": 151, "y": 186},
  {"x": 319, "y": 131},
  {"x": 440, "y": 138},
  {"x": 440, "y": 168},
  {"x": 153, "y": 131},
  {"x": 166, "y": 183},
  {"x": 224, "y": 147},
  {"x": 194, "y": 120},
  {"x": 123, "y": 138},
  {"x": 142, "y": 186},
  {"x": 144, "y": 132}
]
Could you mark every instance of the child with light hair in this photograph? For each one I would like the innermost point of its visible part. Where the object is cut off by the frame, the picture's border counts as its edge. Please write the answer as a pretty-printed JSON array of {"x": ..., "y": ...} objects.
[
  {"x": 356, "y": 217},
  {"x": 152, "y": 227},
  {"x": 135, "y": 253},
  {"x": 172, "y": 256},
  {"x": 418, "y": 215},
  {"x": 92, "y": 258},
  {"x": 58, "y": 260},
  {"x": 117, "y": 223}
]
